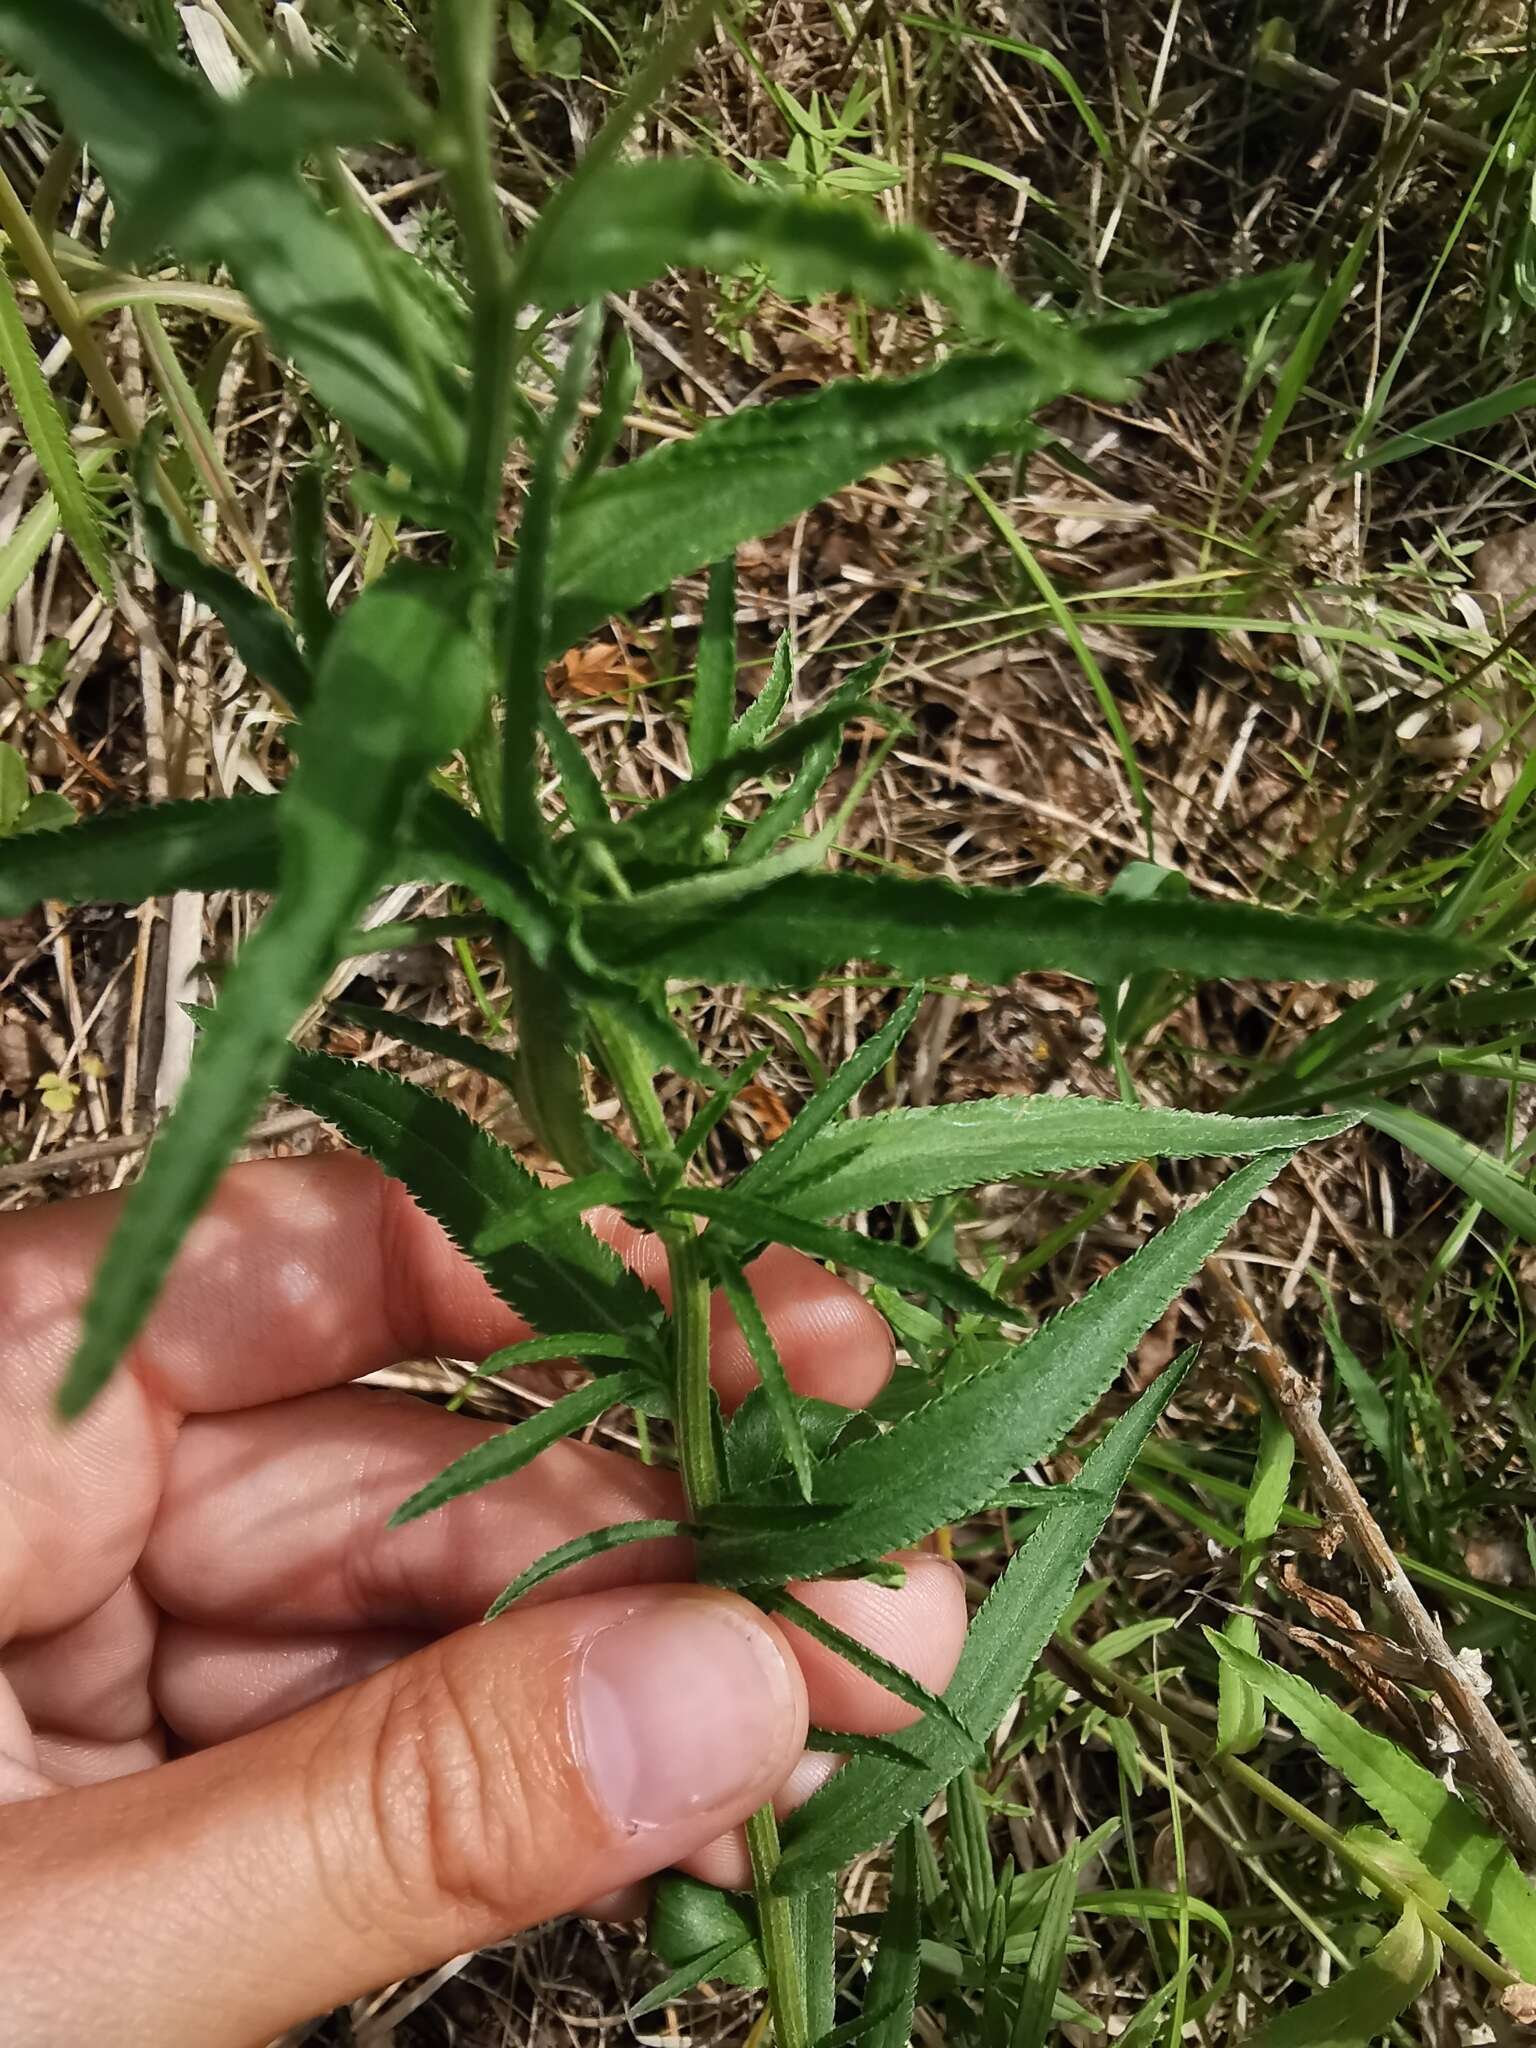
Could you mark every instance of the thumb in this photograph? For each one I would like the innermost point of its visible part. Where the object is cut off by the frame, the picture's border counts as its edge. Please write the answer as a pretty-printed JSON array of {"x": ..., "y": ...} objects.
[{"x": 503, "y": 1775}]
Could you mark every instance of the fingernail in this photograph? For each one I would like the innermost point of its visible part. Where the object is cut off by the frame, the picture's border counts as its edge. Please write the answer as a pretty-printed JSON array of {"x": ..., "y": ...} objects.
[{"x": 683, "y": 1709}]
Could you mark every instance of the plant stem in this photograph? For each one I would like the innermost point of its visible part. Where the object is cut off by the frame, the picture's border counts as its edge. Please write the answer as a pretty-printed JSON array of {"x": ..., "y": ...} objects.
[{"x": 776, "y": 1920}]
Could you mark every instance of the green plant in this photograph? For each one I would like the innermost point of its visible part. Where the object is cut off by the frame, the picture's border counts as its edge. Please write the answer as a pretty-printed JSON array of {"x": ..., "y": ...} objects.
[{"x": 422, "y": 732}]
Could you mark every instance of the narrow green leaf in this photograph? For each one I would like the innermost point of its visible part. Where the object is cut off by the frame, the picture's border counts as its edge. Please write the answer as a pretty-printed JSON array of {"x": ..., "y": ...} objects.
[
  {"x": 825, "y": 1107},
  {"x": 770, "y": 1367},
  {"x": 937, "y": 1464},
  {"x": 912, "y": 1155},
  {"x": 1302, "y": 360},
  {"x": 895, "y": 1264},
  {"x": 637, "y": 220},
  {"x": 594, "y": 1348},
  {"x": 566, "y": 1279},
  {"x": 871, "y": 1797},
  {"x": 1451, "y": 425},
  {"x": 403, "y": 679},
  {"x": 260, "y": 635},
  {"x": 815, "y": 1911},
  {"x": 754, "y": 1445},
  {"x": 311, "y": 595},
  {"x": 891, "y": 1993},
  {"x": 678, "y": 816},
  {"x": 1240, "y": 1711},
  {"x": 727, "y": 1960},
  {"x": 621, "y": 385},
  {"x": 879, "y": 1670},
  {"x": 1369, "y": 1401},
  {"x": 632, "y": 531},
  {"x": 437, "y": 1039},
  {"x": 1032, "y": 2024},
  {"x": 1477, "y": 1173},
  {"x": 1360, "y": 2006},
  {"x": 48, "y": 437},
  {"x": 798, "y": 928},
  {"x": 595, "y": 1543},
  {"x": 21, "y": 553},
  {"x": 826, "y": 732},
  {"x": 704, "y": 1120},
  {"x": 714, "y": 692},
  {"x": 765, "y": 710},
  {"x": 1441, "y": 1829},
  {"x": 129, "y": 855},
  {"x": 500, "y": 1456},
  {"x": 1239, "y": 1704}
]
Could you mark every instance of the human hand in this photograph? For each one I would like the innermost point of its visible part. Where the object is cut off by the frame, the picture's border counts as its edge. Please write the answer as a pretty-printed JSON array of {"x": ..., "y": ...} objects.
[{"x": 370, "y": 1785}]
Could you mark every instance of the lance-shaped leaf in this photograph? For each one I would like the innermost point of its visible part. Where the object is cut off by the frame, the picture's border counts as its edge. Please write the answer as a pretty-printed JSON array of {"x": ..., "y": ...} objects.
[
  {"x": 404, "y": 678},
  {"x": 944, "y": 1460},
  {"x": 151, "y": 850},
  {"x": 911, "y": 1155},
  {"x": 361, "y": 321},
  {"x": 561, "y": 1279},
  {"x": 796, "y": 928},
  {"x": 871, "y": 1796},
  {"x": 1360, "y": 2006},
  {"x": 499, "y": 1457},
  {"x": 636, "y": 220},
  {"x": 1442, "y": 1830}
]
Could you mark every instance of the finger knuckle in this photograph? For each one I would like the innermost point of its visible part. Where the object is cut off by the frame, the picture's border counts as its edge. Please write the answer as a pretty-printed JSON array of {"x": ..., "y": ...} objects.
[{"x": 450, "y": 1796}]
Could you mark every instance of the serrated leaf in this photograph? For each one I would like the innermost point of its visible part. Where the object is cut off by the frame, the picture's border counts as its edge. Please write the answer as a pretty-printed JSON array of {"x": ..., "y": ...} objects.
[
  {"x": 912, "y": 1155},
  {"x": 827, "y": 1105},
  {"x": 1441, "y": 1829},
  {"x": 334, "y": 311},
  {"x": 938, "y": 1464},
  {"x": 1360, "y": 2006},
  {"x": 754, "y": 1445},
  {"x": 753, "y": 1325},
  {"x": 797, "y": 928},
  {"x": 632, "y": 531},
  {"x": 48, "y": 438},
  {"x": 437, "y": 1039},
  {"x": 565, "y": 1279},
  {"x": 637, "y": 220},
  {"x": 871, "y": 1797},
  {"x": 501, "y": 1456},
  {"x": 896, "y": 1264},
  {"x": 259, "y": 634},
  {"x": 404, "y": 678},
  {"x": 879, "y": 1670},
  {"x": 1501, "y": 1191},
  {"x": 594, "y": 1543},
  {"x": 891, "y": 1993},
  {"x": 765, "y": 710},
  {"x": 129, "y": 855}
]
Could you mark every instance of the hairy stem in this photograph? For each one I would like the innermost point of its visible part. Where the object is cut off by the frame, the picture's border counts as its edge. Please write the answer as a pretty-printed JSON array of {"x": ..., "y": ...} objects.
[{"x": 776, "y": 1919}]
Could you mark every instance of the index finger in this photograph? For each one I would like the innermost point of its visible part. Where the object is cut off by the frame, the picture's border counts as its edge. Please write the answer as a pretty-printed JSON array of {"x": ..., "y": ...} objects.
[{"x": 305, "y": 1273}]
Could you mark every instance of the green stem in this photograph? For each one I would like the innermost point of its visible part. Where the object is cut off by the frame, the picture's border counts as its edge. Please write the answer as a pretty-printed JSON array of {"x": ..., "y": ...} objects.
[
  {"x": 776, "y": 1920},
  {"x": 694, "y": 1422},
  {"x": 693, "y": 1401}
]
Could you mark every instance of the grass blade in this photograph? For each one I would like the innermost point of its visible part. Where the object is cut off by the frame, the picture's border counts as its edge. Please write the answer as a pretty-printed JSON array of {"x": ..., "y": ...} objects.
[
  {"x": 48, "y": 437},
  {"x": 1477, "y": 1173},
  {"x": 714, "y": 694}
]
